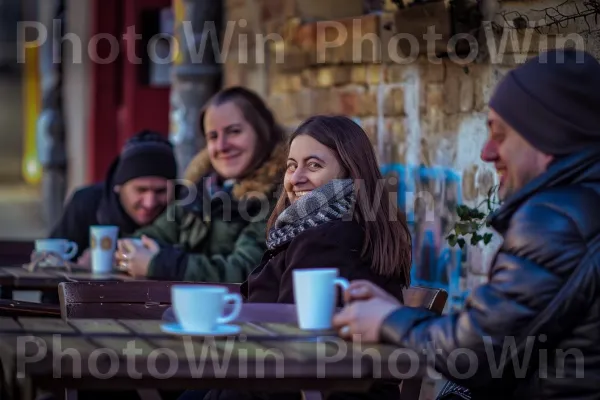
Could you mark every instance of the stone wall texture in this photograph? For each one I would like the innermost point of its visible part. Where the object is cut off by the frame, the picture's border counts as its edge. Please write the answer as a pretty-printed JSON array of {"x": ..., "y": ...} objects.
[{"x": 426, "y": 118}]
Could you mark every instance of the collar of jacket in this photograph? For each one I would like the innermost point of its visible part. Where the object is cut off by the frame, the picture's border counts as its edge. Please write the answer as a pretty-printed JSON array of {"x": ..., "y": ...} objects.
[
  {"x": 579, "y": 168},
  {"x": 264, "y": 180}
]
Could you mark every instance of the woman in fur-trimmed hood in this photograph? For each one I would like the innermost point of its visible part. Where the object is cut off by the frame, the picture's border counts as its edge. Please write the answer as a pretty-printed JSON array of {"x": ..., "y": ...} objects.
[{"x": 217, "y": 232}]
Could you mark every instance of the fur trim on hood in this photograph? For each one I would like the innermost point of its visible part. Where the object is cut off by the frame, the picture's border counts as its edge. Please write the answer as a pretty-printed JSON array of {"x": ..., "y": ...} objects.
[{"x": 264, "y": 179}]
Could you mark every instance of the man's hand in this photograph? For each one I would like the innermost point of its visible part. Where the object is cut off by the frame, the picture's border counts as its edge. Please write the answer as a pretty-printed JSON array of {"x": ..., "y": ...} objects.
[
  {"x": 85, "y": 260},
  {"x": 368, "y": 305},
  {"x": 135, "y": 258}
]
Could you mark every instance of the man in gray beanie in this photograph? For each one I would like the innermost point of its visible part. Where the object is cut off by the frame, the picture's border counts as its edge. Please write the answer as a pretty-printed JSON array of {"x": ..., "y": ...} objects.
[{"x": 533, "y": 330}]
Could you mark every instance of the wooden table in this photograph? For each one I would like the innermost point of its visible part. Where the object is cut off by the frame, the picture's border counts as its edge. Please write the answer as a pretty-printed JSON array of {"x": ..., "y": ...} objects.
[
  {"x": 46, "y": 279},
  {"x": 82, "y": 354}
]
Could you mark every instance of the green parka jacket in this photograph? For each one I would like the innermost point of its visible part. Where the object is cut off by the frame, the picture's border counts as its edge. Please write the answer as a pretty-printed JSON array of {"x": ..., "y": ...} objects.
[{"x": 221, "y": 239}]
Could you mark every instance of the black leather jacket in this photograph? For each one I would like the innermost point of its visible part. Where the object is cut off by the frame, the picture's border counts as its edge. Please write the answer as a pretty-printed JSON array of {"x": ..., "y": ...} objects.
[{"x": 549, "y": 227}]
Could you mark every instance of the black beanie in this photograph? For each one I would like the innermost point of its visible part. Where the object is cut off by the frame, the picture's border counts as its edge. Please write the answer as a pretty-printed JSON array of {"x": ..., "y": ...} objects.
[
  {"x": 553, "y": 101},
  {"x": 145, "y": 154}
]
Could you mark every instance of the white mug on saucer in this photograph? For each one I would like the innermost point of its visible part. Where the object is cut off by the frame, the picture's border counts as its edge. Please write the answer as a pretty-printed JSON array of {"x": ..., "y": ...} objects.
[
  {"x": 66, "y": 249},
  {"x": 103, "y": 244},
  {"x": 315, "y": 295},
  {"x": 200, "y": 308}
]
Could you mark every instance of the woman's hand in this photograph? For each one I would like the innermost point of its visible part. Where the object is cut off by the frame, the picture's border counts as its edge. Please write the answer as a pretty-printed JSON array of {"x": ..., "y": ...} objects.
[
  {"x": 134, "y": 258},
  {"x": 367, "y": 306}
]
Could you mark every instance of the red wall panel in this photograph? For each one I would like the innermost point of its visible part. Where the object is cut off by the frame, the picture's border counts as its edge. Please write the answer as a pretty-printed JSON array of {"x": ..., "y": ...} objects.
[{"x": 122, "y": 103}]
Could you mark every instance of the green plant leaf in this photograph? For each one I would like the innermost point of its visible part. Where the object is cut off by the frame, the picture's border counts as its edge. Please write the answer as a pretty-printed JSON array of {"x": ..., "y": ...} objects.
[
  {"x": 462, "y": 228},
  {"x": 461, "y": 242},
  {"x": 452, "y": 240},
  {"x": 475, "y": 238},
  {"x": 487, "y": 237},
  {"x": 463, "y": 212}
]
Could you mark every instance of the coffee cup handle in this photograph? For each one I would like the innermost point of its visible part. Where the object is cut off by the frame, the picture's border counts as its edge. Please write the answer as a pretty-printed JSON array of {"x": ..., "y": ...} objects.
[
  {"x": 236, "y": 299},
  {"x": 71, "y": 253},
  {"x": 343, "y": 283}
]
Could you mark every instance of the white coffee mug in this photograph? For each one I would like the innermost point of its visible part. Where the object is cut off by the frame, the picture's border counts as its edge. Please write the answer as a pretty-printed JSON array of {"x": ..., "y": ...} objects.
[
  {"x": 66, "y": 249},
  {"x": 315, "y": 295},
  {"x": 103, "y": 244},
  {"x": 200, "y": 308}
]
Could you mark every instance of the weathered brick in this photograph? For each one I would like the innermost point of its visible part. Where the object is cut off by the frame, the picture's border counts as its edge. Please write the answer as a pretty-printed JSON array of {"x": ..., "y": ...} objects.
[
  {"x": 294, "y": 82},
  {"x": 234, "y": 73},
  {"x": 366, "y": 39},
  {"x": 328, "y": 10},
  {"x": 278, "y": 83},
  {"x": 350, "y": 101},
  {"x": 359, "y": 74},
  {"x": 374, "y": 72},
  {"x": 394, "y": 73},
  {"x": 326, "y": 102},
  {"x": 395, "y": 127},
  {"x": 305, "y": 103},
  {"x": 435, "y": 120},
  {"x": 309, "y": 77},
  {"x": 342, "y": 74},
  {"x": 435, "y": 95},
  {"x": 292, "y": 59},
  {"x": 370, "y": 104},
  {"x": 283, "y": 106},
  {"x": 393, "y": 102},
  {"x": 468, "y": 183},
  {"x": 370, "y": 127},
  {"x": 275, "y": 12},
  {"x": 355, "y": 101},
  {"x": 466, "y": 92},
  {"x": 325, "y": 77},
  {"x": 435, "y": 73},
  {"x": 452, "y": 90}
]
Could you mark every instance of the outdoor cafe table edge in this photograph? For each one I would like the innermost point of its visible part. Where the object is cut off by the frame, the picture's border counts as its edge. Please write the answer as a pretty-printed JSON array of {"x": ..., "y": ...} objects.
[
  {"x": 265, "y": 357},
  {"x": 47, "y": 278}
]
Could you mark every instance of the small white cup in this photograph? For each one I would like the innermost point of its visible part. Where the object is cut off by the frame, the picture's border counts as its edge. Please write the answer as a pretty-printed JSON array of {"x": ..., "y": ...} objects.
[
  {"x": 315, "y": 295},
  {"x": 66, "y": 249},
  {"x": 103, "y": 244},
  {"x": 200, "y": 308}
]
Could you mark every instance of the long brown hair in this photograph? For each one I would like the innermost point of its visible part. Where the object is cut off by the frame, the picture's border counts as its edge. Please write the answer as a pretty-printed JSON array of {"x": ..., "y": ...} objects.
[{"x": 387, "y": 237}]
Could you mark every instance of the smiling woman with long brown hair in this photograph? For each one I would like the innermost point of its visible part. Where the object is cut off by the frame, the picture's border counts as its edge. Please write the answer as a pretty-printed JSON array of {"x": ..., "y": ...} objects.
[{"x": 335, "y": 211}]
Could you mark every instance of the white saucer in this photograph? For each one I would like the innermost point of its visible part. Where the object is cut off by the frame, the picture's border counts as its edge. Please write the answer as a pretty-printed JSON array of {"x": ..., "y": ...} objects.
[{"x": 221, "y": 330}]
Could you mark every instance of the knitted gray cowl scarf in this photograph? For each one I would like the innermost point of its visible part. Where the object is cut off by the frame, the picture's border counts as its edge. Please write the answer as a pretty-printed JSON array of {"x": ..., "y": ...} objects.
[{"x": 330, "y": 202}]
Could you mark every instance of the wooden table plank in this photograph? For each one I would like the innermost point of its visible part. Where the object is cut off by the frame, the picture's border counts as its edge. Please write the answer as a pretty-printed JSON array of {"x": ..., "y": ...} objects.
[
  {"x": 186, "y": 347},
  {"x": 45, "y": 325},
  {"x": 294, "y": 330},
  {"x": 8, "y": 324},
  {"x": 143, "y": 327},
  {"x": 99, "y": 326}
]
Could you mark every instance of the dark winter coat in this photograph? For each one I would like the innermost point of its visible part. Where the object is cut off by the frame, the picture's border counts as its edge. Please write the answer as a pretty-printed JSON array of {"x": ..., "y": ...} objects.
[
  {"x": 223, "y": 242},
  {"x": 550, "y": 228},
  {"x": 335, "y": 244},
  {"x": 96, "y": 204}
]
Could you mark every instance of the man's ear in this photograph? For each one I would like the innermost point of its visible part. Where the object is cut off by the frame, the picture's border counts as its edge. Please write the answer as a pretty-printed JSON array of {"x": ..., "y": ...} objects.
[
  {"x": 547, "y": 160},
  {"x": 117, "y": 188}
]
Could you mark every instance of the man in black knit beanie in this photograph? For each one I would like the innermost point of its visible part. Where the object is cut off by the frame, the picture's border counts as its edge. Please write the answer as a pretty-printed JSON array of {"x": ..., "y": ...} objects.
[
  {"x": 541, "y": 299},
  {"x": 137, "y": 189}
]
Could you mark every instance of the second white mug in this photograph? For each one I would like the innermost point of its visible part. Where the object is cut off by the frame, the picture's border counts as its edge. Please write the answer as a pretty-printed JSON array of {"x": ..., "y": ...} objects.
[{"x": 315, "y": 295}]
